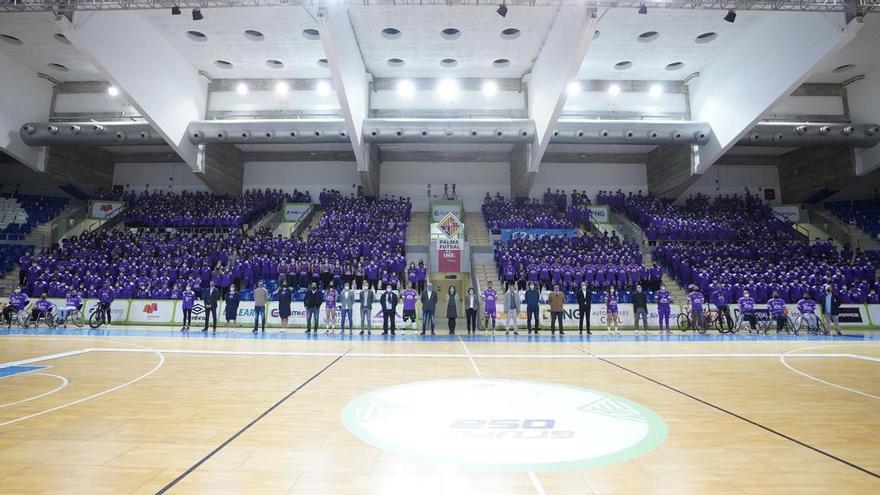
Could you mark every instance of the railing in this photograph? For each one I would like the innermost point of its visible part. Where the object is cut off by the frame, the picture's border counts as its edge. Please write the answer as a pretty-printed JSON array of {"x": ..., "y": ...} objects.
[
  {"x": 114, "y": 216},
  {"x": 804, "y": 233},
  {"x": 834, "y": 226}
]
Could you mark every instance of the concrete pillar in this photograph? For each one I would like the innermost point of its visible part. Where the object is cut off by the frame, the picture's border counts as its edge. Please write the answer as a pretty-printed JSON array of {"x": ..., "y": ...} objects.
[
  {"x": 522, "y": 170},
  {"x": 222, "y": 168},
  {"x": 25, "y": 98},
  {"x": 87, "y": 168},
  {"x": 670, "y": 170}
]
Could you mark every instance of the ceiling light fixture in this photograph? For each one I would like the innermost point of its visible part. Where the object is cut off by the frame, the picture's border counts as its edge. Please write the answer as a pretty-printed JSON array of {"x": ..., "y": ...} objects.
[
  {"x": 502, "y": 10},
  {"x": 197, "y": 15},
  {"x": 323, "y": 88},
  {"x": 573, "y": 88},
  {"x": 614, "y": 89},
  {"x": 490, "y": 89},
  {"x": 406, "y": 88},
  {"x": 112, "y": 91},
  {"x": 281, "y": 88},
  {"x": 655, "y": 90},
  {"x": 447, "y": 89},
  {"x": 731, "y": 16},
  {"x": 241, "y": 88}
]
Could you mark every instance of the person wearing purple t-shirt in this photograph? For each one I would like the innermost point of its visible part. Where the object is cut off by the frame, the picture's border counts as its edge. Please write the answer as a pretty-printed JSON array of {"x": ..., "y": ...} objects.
[
  {"x": 807, "y": 308},
  {"x": 611, "y": 313},
  {"x": 18, "y": 301},
  {"x": 489, "y": 298},
  {"x": 696, "y": 299},
  {"x": 778, "y": 311},
  {"x": 747, "y": 308},
  {"x": 421, "y": 276},
  {"x": 409, "y": 296},
  {"x": 187, "y": 300},
  {"x": 663, "y": 298},
  {"x": 42, "y": 307},
  {"x": 330, "y": 310}
]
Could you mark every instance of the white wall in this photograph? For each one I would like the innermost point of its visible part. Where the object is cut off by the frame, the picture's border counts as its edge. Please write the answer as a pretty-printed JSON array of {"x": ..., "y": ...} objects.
[
  {"x": 733, "y": 179},
  {"x": 864, "y": 108},
  {"x": 473, "y": 180},
  {"x": 591, "y": 177},
  {"x": 173, "y": 177},
  {"x": 24, "y": 98},
  {"x": 309, "y": 176}
]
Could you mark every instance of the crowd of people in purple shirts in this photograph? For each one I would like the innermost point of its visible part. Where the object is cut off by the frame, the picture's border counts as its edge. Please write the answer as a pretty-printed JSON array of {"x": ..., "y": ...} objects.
[
  {"x": 358, "y": 240},
  {"x": 522, "y": 213},
  {"x": 159, "y": 209}
]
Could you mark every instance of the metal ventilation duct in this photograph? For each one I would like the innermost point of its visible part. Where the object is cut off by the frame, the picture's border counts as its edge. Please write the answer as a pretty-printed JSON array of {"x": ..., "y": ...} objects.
[
  {"x": 281, "y": 131},
  {"x": 797, "y": 135},
  {"x": 630, "y": 132},
  {"x": 89, "y": 133},
  {"x": 448, "y": 130}
]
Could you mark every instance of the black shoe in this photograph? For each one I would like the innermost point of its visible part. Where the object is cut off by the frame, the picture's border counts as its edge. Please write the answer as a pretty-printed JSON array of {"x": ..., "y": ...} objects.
[
  {"x": 362, "y": 332},
  {"x": 839, "y": 333},
  {"x": 423, "y": 333},
  {"x": 205, "y": 330},
  {"x": 308, "y": 331},
  {"x": 561, "y": 332},
  {"x": 589, "y": 332},
  {"x": 392, "y": 332},
  {"x": 580, "y": 332},
  {"x": 264, "y": 330},
  {"x": 385, "y": 333},
  {"x": 452, "y": 332},
  {"x": 255, "y": 330},
  {"x": 432, "y": 332}
]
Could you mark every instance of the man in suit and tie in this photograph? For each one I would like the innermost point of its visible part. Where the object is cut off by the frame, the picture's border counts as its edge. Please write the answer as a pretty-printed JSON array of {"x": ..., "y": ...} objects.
[
  {"x": 388, "y": 301},
  {"x": 367, "y": 298},
  {"x": 429, "y": 305},
  {"x": 584, "y": 300},
  {"x": 312, "y": 302},
  {"x": 210, "y": 297},
  {"x": 346, "y": 299}
]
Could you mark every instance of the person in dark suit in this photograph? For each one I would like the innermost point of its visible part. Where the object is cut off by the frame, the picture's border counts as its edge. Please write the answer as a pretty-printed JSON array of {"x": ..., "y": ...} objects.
[
  {"x": 367, "y": 298},
  {"x": 388, "y": 301},
  {"x": 210, "y": 297},
  {"x": 429, "y": 305},
  {"x": 312, "y": 302},
  {"x": 831, "y": 309},
  {"x": 584, "y": 300}
]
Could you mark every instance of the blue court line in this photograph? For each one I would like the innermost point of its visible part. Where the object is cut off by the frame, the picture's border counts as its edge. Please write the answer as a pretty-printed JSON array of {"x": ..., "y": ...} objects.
[
  {"x": 297, "y": 334},
  {"x": 18, "y": 370}
]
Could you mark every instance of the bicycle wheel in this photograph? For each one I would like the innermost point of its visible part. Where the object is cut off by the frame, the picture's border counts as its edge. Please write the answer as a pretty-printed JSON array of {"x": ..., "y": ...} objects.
[
  {"x": 682, "y": 321},
  {"x": 78, "y": 319},
  {"x": 790, "y": 326},
  {"x": 96, "y": 319},
  {"x": 49, "y": 318},
  {"x": 820, "y": 325},
  {"x": 696, "y": 324},
  {"x": 23, "y": 319}
]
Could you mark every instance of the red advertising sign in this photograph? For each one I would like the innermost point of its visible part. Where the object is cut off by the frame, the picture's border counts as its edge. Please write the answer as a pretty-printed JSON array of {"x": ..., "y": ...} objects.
[{"x": 449, "y": 255}]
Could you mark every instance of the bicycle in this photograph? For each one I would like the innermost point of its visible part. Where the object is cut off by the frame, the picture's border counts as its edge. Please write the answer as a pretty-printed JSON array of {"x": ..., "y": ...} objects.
[
  {"x": 98, "y": 318},
  {"x": 687, "y": 321},
  {"x": 766, "y": 322}
]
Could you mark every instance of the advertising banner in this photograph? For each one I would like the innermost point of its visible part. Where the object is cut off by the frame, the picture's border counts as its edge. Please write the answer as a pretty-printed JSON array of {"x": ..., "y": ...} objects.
[
  {"x": 599, "y": 213},
  {"x": 874, "y": 314},
  {"x": 152, "y": 312},
  {"x": 792, "y": 213},
  {"x": 449, "y": 255},
  {"x": 105, "y": 209},
  {"x": 294, "y": 212},
  {"x": 119, "y": 309},
  {"x": 508, "y": 234},
  {"x": 598, "y": 316}
]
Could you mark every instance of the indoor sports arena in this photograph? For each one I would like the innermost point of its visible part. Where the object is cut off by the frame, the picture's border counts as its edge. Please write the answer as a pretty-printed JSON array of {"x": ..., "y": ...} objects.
[{"x": 396, "y": 247}]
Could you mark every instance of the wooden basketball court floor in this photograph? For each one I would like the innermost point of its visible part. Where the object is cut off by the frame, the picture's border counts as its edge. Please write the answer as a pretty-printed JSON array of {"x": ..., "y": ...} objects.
[{"x": 151, "y": 411}]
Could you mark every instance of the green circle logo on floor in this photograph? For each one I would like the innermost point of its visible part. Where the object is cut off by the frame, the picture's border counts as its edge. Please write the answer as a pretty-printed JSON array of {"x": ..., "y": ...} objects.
[{"x": 504, "y": 424}]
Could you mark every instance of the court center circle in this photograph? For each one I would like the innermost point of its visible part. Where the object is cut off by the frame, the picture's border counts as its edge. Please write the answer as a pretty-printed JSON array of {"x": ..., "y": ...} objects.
[{"x": 504, "y": 424}]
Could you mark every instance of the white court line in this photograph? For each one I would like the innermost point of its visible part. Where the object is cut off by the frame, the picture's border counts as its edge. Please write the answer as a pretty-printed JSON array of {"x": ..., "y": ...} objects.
[
  {"x": 536, "y": 483},
  {"x": 468, "y": 353},
  {"x": 43, "y": 358},
  {"x": 93, "y": 396},
  {"x": 792, "y": 353},
  {"x": 64, "y": 383}
]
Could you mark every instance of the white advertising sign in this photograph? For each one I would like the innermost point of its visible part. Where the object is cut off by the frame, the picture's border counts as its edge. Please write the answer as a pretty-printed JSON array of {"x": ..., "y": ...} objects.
[
  {"x": 294, "y": 212},
  {"x": 599, "y": 213},
  {"x": 105, "y": 209},
  {"x": 792, "y": 213},
  {"x": 153, "y": 312}
]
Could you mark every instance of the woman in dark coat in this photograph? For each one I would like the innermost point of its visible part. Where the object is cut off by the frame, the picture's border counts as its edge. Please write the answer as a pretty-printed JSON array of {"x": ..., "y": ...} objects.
[
  {"x": 451, "y": 308},
  {"x": 232, "y": 300},
  {"x": 284, "y": 295}
]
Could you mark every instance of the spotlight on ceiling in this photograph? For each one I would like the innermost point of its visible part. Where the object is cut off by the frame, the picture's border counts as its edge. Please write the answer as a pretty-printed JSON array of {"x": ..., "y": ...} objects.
[
  {"x": 655, "y": 90},
  {"x": 643, "y": 9},
  {"x": 175, "y": 10},
  {"x": 112, "y": 91},
  {"x": 324, "y": 88},
  {"x": 573, "y": 88},
  {"x": 490, "y": 89},
  {"x": 502, "y": 10},
  {"x": 406, "y": 88},
  {"x": 447, "y": 89},
  {"x": 614, "y": 89},
  {"x": 197, "y": 15},
  {"x": 731, "y": 16},
  {"x": 281, "y": 88},
  {"x": 241, "y": 88}
]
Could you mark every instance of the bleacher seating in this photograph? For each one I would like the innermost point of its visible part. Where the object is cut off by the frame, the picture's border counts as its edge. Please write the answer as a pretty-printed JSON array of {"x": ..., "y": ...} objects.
[
  {"x": 19, "y": 214},
  {"x": 864, "y": 213},
  {"x": 198, "y": 209},
  {"x": 9, "y": 255},
  {"x": 502, "y": 213}
]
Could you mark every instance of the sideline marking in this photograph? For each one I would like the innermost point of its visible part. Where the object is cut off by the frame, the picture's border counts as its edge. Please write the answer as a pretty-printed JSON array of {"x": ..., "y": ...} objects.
[{"x": 468, "y": 354}]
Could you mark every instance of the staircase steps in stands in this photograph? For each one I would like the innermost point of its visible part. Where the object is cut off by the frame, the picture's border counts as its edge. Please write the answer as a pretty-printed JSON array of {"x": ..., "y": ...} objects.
[
  {"x": 316, "y": 217},
  {"x": 485, "y": 273},
  {"x": 417, "y": 231},
  {"x": 477, "y": 232},
  {"x": 8, "y": 282}
]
